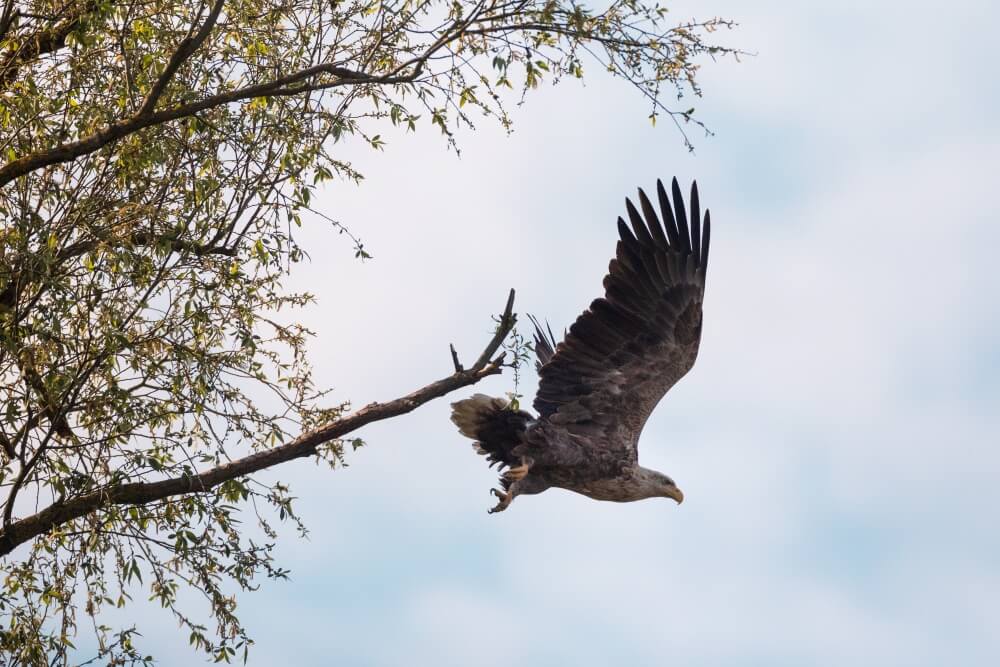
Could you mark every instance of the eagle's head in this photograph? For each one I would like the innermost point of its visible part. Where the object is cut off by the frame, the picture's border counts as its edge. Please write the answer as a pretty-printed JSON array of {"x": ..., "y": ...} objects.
[{"x": 661, "y": 486}]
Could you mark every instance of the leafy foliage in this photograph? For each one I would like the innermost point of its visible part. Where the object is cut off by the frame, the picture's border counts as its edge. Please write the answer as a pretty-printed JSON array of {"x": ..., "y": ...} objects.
[{"x": 156, "y": 158}]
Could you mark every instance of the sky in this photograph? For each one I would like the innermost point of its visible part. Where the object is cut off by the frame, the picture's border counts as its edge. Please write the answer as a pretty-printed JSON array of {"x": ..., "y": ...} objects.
[{"x": 838, "y": 440}]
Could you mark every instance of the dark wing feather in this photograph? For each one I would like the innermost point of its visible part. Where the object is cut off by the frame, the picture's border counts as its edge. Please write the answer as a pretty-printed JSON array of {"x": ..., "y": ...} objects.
[
  {"x": 624, "y": 352},
  {"x": 545, "y": 343}
]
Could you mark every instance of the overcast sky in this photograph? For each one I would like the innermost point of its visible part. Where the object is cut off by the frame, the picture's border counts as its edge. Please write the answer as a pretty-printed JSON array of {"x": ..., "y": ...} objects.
[{"x": 838, "y": 441}]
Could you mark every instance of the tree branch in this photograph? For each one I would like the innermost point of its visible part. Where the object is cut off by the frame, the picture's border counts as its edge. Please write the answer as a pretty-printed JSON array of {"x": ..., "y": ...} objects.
[
  {"x": 11, "y": 294},
  {"x": 282, "y": 86},
  {"x": 141, "y": 493},
  {"x": 184, "y": 50}
]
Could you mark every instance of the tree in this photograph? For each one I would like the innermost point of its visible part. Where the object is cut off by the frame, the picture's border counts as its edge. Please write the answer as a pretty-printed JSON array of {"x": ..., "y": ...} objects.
[{"x": 155, "y": 160}]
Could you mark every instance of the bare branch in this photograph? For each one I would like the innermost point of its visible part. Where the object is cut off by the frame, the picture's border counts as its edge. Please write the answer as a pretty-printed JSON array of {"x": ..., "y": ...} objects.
[
  {"x": 19, "y": 532},
  {"x": 506, "y": 323}
]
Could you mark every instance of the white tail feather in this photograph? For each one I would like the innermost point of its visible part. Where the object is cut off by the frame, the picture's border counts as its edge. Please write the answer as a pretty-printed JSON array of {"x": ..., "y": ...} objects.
[{"x": 468, "y": 414}]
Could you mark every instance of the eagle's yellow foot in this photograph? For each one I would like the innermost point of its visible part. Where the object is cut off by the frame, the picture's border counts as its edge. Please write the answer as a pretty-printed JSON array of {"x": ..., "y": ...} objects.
[
  {"x": 517, "y": 473},
  {"x": 505, "y": 499}
]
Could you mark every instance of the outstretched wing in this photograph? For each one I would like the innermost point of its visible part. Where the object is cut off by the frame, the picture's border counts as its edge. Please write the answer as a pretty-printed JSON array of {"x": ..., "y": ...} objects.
[{"x": 624, "y": 352}]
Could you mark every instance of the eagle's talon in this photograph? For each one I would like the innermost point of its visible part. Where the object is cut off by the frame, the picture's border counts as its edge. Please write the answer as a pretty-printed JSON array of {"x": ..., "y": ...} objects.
[{"x": 504, "y": 503}]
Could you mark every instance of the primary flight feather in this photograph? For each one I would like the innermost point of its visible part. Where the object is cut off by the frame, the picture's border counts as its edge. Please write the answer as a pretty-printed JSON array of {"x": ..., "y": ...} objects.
[{"x": 599, "y": 385}]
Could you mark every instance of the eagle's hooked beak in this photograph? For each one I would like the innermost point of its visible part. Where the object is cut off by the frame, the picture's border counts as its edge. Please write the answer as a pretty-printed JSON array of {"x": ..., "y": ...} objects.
[{"x": 675, "y": 493}]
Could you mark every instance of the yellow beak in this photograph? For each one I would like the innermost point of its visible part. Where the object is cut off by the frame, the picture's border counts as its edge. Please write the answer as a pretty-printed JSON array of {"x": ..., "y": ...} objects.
[{"x": 676, "y": 494}]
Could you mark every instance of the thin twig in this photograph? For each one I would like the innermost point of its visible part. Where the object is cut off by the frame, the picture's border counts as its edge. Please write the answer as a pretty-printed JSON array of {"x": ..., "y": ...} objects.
[{"x": 507, "y": 322}]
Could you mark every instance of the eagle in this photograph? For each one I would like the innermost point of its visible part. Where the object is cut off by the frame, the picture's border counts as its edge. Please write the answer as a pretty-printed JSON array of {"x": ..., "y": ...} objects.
[{"x": 599, "y": 385}]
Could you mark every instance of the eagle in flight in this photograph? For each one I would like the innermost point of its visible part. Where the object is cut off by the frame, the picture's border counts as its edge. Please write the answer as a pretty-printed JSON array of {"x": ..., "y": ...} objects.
[{"x": 600, "y": 384}]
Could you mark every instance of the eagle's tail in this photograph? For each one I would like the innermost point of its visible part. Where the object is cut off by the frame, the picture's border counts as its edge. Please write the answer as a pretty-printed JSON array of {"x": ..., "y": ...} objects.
[{"x": 496, "y": 428}]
